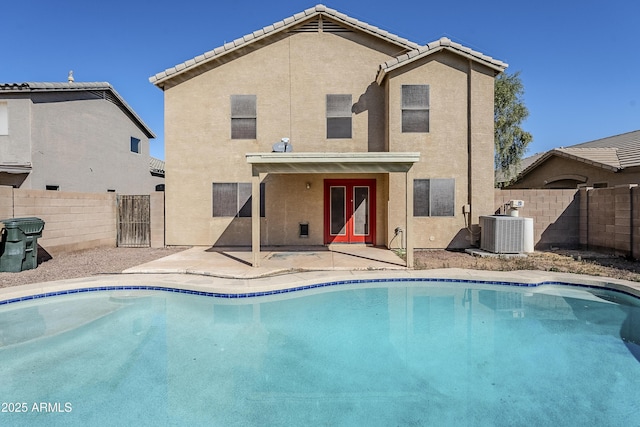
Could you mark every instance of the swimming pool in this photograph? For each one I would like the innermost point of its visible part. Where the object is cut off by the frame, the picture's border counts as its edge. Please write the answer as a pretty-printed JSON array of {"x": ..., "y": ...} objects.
[{"x": 361, "y": 353}]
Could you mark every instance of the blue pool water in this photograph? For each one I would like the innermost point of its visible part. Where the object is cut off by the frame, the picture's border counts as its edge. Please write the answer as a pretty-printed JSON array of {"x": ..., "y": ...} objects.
[{"x": 364, "y": 354}]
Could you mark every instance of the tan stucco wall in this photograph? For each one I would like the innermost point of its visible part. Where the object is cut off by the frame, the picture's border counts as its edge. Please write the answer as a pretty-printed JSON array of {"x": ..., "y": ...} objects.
[
  {"x": 291, "y": 78},
  {"x": 555, "y": 167},
  {"x": 459, "y": 136}
]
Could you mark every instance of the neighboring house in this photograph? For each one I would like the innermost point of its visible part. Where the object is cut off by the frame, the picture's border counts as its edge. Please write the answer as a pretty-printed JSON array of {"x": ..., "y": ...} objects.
[
  {"x": 390, "y": 142},
  {"x": 72, "y": 136},
  {"x": 503, "y": 179},
  {"x": 156, "y": 167},
  {"x": 601, "y": 163}
]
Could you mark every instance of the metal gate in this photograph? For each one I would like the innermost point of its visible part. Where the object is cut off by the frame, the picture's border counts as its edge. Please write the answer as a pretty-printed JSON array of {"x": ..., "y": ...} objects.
[{"x": 134, "y": 221}]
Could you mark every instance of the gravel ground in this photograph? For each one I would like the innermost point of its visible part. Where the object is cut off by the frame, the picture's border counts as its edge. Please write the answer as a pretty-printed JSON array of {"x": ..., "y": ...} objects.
[
  {"x": 115, "y": 260},
  {"x": 566, "y": 261},
  {"x": 85, "y": 263}
]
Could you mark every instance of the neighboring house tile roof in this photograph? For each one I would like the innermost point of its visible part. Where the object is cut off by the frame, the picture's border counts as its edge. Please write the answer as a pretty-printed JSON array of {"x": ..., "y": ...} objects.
[
  {"x": 156, "y": 166},
  {"x": 627, "y": 146},
  {"x": 79, "y": 86},
  {"x": 514, "y": 171},
  {"x": 605, "y": 157},
  {"x": 437, "y": 46},
  {"x": 411, "y": 51},
  {"x": 613, "y": 153}
]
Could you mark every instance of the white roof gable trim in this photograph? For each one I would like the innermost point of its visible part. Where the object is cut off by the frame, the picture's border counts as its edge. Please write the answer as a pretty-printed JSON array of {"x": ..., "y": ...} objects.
[
  {"x": 437, "y": 46},
  {"x": 169, "y": 73}
]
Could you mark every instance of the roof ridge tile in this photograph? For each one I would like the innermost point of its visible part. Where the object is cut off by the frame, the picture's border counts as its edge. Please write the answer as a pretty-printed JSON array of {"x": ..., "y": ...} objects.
[
  {"x": 291, "y": 20},
  {"x": 429, "y": 48}
]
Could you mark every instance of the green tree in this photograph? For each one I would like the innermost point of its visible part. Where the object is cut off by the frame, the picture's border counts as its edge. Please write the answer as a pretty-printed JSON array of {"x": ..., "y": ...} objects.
[{"x": 509, "y": 112}]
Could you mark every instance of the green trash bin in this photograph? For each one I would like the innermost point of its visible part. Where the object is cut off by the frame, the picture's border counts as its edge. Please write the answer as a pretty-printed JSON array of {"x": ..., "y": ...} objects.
[{"x": 19, "y": 246}]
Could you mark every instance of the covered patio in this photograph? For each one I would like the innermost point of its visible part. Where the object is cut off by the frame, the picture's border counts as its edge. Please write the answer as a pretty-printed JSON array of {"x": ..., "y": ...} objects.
[{"x": 329, "y": 163}]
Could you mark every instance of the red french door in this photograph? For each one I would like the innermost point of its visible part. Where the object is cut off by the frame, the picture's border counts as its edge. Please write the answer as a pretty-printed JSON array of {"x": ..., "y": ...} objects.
[{"x": 349, "y": 210}]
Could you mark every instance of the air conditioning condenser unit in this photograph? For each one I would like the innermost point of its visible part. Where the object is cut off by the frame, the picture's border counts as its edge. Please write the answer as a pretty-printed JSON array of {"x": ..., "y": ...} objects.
[{"x": 502, "y": 234}]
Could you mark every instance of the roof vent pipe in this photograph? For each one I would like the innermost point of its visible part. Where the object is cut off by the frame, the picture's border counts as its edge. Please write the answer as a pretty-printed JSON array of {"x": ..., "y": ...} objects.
[{"x": 70, "y": 77}]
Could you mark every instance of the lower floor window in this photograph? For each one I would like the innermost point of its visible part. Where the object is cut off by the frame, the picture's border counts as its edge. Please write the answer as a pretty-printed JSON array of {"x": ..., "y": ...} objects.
[
  {"x": 234, "y": 199},
  {"x": 434, "y": 197}
]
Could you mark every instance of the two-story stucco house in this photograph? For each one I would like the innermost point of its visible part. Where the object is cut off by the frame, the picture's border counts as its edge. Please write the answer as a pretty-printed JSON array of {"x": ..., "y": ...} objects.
[
  {"x": 389, "y": 143},
  {"x": 73, "y": 136}
]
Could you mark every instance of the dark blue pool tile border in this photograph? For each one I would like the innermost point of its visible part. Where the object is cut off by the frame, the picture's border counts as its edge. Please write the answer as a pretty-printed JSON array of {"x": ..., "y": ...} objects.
[{"x": 302, "y": 288}]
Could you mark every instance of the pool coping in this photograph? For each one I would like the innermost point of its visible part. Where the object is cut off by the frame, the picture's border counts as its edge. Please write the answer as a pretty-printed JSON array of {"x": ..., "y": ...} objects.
[{"x": 295, "y": 281}]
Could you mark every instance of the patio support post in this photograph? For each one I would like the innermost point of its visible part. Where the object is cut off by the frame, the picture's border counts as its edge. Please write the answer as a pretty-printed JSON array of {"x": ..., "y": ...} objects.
[
  {"x": 255, "y": 218},
  {"x": 409, "y": 220}
]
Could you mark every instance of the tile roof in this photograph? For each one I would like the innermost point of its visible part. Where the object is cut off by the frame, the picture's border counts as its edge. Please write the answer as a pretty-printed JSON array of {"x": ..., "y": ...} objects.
[
  {"x": 156, "y": 166},
  {"x": 437, "y": 46},
  {"x": 276, "y": 27},
  {"x": 626, "y": 144},
  {"x": 515, "y": 170},
  {"x": 30, "y": 87},
  {"x": 613, "y": 153},
  {"x": 605, "y": 157}
]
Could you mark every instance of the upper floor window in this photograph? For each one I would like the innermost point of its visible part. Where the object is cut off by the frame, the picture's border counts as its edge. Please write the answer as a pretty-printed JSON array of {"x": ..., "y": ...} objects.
[
  {"x": 135, "y": 145},
  {"x": 415, "y": 108},
  {"x": 339, "y": 116},
  {"x": 4, "y": 119},
  {"x": 243, "y": 117},
  {"x": 434, "y": 197}
]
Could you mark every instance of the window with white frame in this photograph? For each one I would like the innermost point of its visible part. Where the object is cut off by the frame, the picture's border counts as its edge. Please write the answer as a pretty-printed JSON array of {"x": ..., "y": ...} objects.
[
  {"x": 339, "y": 116},
  {"x": 233, "y": 199},
  {"x": 415, "y": 108},
  {"x": 243, "y": 117},
  {"x": 434, "y": 197},
  {"x": 4, "y": 119}
]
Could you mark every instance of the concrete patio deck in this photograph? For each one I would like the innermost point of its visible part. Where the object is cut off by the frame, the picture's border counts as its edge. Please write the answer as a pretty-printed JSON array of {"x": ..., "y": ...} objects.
[{"x": 235, "y": 262}]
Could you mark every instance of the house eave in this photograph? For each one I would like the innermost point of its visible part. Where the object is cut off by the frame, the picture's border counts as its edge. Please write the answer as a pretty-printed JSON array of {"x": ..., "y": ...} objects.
[
  {"x": 16, "y": 168},
  {"x": 332, "y": 162}
]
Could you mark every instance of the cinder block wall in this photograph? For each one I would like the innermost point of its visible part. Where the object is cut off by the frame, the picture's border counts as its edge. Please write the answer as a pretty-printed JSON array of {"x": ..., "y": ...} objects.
[
  {"x": 6, "y": 202},
  {"x": 610, "y": 219},
  {"x": 635, "y": 222},
  {"x": 555, "y": 213},
  {"x": 157, "y": 219},
  {"x": 601, "y": 221},
  {"x": 75, "y": 221}
]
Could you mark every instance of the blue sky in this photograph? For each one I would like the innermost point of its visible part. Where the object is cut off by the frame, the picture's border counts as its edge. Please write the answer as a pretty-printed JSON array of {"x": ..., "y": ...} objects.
[{"x": 579, "y": 61}]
